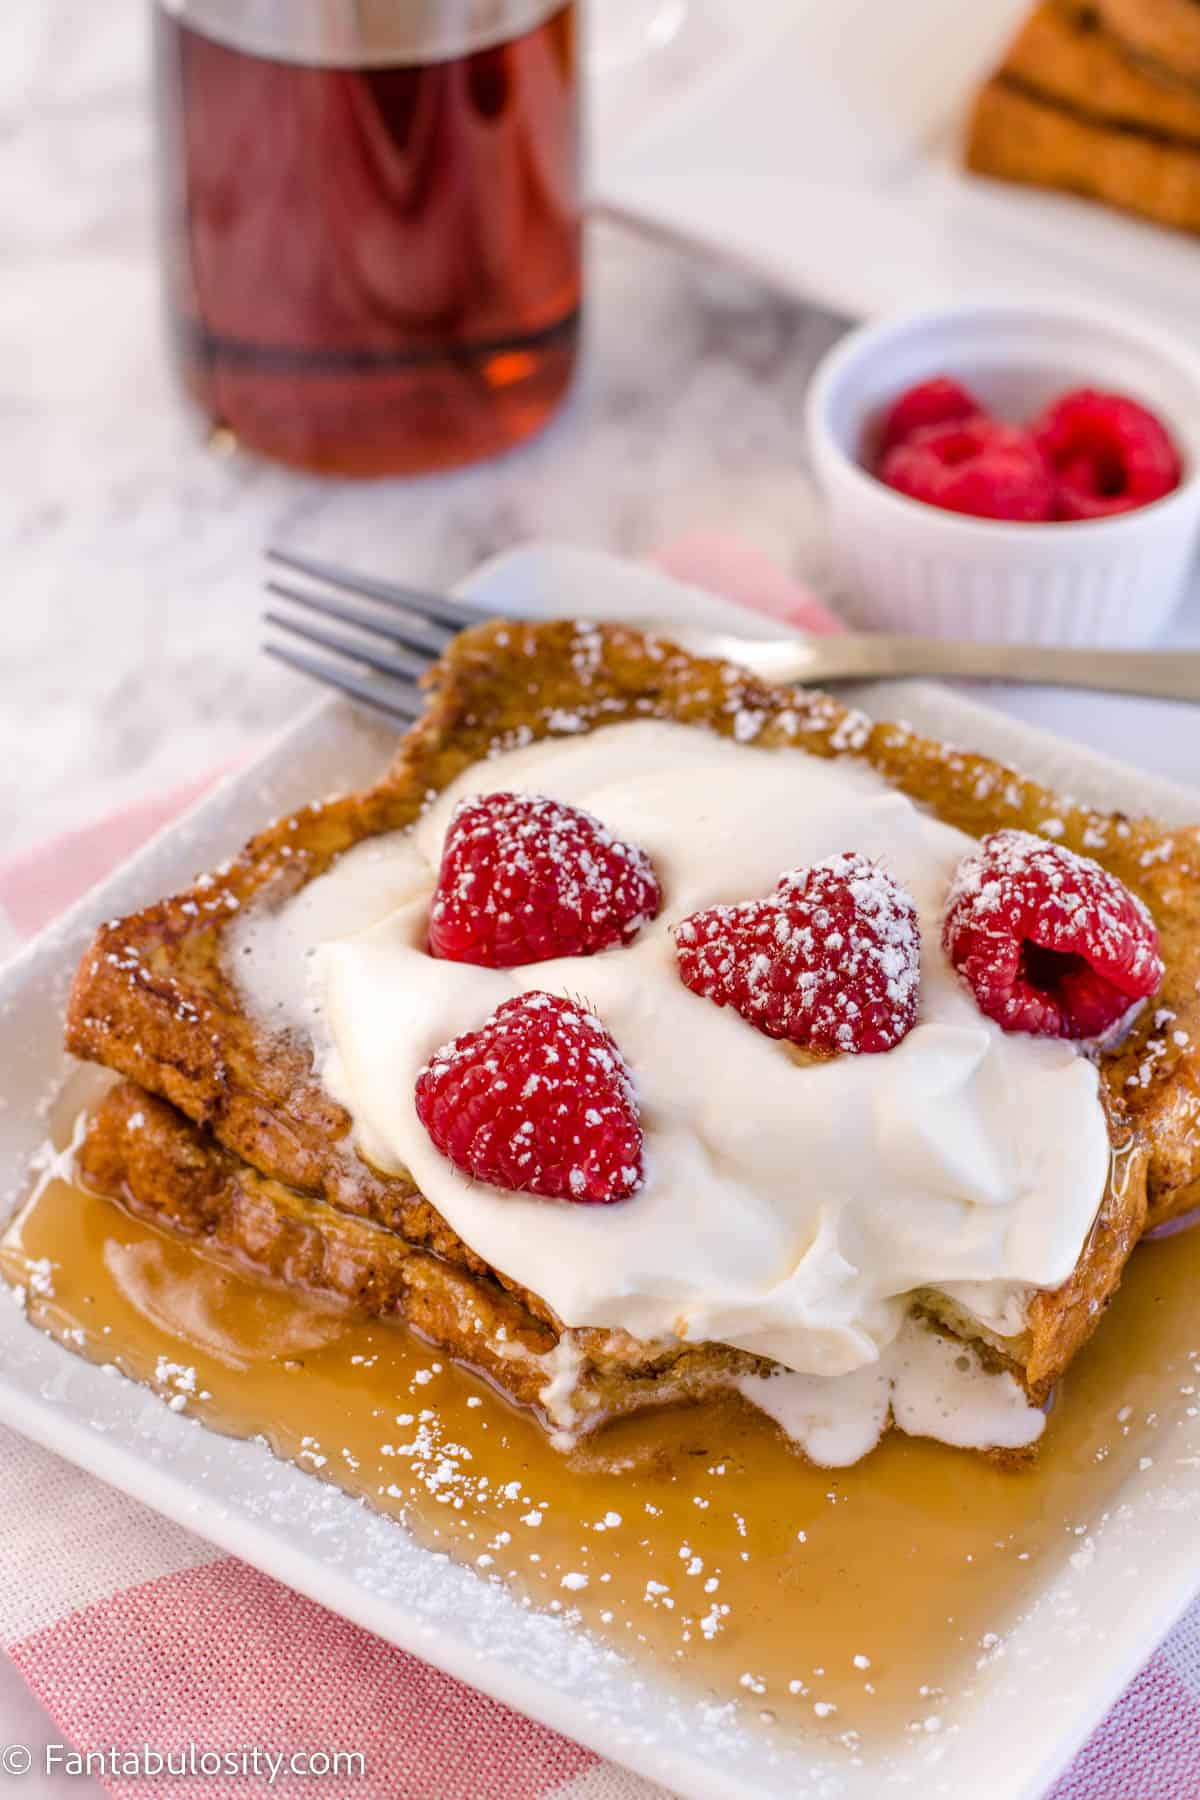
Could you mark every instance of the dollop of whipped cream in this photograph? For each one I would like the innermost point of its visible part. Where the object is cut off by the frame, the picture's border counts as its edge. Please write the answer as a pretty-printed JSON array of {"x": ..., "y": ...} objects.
[
  {"x": 790, "y": 1208},
  {"x": 930, "y": 1385}
]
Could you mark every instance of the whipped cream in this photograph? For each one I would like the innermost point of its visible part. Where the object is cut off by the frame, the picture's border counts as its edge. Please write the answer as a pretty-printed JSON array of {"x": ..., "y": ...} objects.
[
  {"x": 930, "y": 1385},
  {"x": 789, "y": 1209}
]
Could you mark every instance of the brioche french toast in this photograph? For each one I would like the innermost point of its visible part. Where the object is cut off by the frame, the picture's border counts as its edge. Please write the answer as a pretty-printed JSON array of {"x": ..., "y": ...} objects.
[
  {"x": 256, "y": 1159},
  {"x": 1070, "y": 107},
  {"x": 146, "y": 1155}
]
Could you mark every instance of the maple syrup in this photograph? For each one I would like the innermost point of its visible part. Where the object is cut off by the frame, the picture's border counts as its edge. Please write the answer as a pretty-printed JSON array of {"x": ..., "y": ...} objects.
[
  {"x": 371, "y": 234},
  {"x": 845, "y": 1603}
]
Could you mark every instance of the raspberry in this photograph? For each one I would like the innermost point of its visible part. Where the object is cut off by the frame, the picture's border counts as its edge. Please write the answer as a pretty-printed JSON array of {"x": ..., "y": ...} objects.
[
  {"x": 941, "y": 401},
  {"x": 538, "y": 1100},
  {"x": 524, "y": 879},
  {"x": 1109, "y": 454},
  {"x": 1048, "y": 941},
  {"x": 831, "y": 961},
  {"x": 975, "y": 466}
]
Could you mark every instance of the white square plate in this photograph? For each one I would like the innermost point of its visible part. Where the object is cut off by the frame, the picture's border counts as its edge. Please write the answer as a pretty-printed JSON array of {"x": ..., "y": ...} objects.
[
  {"x": 1067, "y": 1659},
  {"x": 825, "y": 155}
]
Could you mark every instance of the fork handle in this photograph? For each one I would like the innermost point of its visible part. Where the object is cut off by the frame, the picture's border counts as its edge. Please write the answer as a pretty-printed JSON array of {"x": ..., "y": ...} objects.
[{"x": 1160, "y": 674}]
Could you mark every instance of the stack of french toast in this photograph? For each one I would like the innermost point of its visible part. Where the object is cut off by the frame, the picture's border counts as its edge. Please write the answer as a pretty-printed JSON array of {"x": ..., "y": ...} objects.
[
  {"x": 223, "y": 1131},
  {"x": 1100, "y": 98}
]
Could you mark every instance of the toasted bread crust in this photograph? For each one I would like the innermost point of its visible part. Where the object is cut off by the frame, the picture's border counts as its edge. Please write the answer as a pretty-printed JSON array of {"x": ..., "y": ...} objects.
[
  {"x": 142, "y": 1153},
  {"x": 1079, "y": 104},
  {"x": 1017, "y": 136},
  {"x": 1165, "y": 31},
  {"x": 153, "y": 1000},
  {"x": 1063, "y": 53}
]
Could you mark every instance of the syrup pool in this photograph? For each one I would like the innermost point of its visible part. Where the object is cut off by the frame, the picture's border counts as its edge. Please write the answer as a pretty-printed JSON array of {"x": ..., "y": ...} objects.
[{"x": 847, "y": 1604}]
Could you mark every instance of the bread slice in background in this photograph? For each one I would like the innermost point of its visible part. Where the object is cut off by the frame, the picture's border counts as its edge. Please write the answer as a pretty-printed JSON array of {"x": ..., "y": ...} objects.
[
  {"x": 1019, "y": 138},
  {"x": 1164, "y": 32},
  {"x": 1069, "y": 108},
  {"x": 1064, "y": 53}
]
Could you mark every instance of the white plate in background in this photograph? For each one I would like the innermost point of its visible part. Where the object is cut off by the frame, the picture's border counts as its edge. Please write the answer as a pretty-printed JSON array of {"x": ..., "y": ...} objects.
[
  {"x": 823, "y": 154},
  {"x": 1089, "y": 1629}
]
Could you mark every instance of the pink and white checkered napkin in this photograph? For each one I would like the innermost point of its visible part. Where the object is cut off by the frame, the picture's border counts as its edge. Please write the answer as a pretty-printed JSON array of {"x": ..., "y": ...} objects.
[{"x": 132, "y": 1631}]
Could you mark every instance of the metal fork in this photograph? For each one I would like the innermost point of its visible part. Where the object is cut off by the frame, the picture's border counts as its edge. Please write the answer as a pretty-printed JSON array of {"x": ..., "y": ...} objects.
[{"x": 406, "y": 628}]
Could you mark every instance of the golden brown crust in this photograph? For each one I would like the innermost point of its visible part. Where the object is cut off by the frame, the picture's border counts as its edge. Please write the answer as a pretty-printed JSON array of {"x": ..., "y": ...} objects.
[
  {"x": 1060, "y": 1323},
  {"x": 142, "y": 1153},
  {"x": 1015, "y": 136},
  {"x": 153, "y": 1000},
  {"x": 1165, "y": 31},
  {"x": 1063, "y": 53},
  {"x": 1075, "y": 106}
]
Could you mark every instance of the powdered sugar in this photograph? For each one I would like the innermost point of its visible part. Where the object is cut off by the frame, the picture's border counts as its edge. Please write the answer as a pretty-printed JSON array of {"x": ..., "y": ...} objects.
[
  {"x": 538, "y": 1100},
  {"x": 1047, "y": 940},
  {"x": 524, "y": 878},
  {"x": 831, "y": 961},
  {"x": 756, "y": 1256}
]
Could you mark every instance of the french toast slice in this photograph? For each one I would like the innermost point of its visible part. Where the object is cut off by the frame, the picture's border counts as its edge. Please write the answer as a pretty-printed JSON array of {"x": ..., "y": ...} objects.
[
  {"x": 156, "y": 1000},
  {"x": 1164, "y": 33},
  {"x": 143, "y": 1154},
  {"x": 1069, "y": 109},
  {"x": 1063, "y": 53},
  {"x": 1016, "y": 136}
]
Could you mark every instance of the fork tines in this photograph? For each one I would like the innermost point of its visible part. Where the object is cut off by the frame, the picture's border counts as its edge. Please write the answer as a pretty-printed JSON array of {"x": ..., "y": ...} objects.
[
  {"x": 454, "y": 613},
  {"x": 394, "y": 702},
  {"x": 396, "y": 639}
]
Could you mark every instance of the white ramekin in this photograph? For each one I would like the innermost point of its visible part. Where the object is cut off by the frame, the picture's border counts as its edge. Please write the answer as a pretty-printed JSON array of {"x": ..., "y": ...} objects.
[{"x": 916, "y": 568}]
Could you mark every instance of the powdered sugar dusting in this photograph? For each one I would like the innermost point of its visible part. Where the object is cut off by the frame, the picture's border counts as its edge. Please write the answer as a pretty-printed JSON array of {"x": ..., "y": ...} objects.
[
  {"x": 539, "y": 1100},
  {"x": 1046, "y": 939},
  {"x": 831, "y": 961},
  {"x": 525, "y": 878}
]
